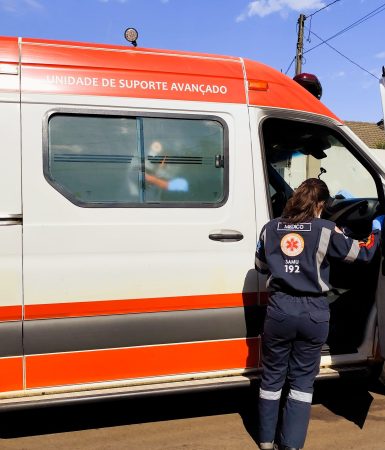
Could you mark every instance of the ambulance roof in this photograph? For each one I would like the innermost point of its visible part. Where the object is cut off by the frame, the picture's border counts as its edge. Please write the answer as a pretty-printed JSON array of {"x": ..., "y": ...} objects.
[{"x": 60, "y": 67}]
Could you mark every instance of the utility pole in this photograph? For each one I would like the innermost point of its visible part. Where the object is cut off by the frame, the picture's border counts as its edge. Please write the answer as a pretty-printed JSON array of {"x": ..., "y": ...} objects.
[{"x": 299, "y": 53}]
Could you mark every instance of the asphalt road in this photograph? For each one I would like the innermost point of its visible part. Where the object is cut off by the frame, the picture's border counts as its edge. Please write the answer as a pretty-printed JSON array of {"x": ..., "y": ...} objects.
[{"x": 345, "y": 416}]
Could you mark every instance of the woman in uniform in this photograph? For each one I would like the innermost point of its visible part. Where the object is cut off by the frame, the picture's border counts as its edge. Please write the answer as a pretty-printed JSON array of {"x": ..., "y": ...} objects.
[{"x": 294, "y": 250}]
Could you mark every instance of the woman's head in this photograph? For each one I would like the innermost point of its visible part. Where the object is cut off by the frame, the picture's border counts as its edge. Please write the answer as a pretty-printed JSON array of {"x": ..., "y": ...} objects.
[{"x": 307, "y": 201}]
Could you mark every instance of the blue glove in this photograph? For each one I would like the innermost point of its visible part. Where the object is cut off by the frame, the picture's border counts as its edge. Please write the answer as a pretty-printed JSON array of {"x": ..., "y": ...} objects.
[
  {"x": 344, "y": 193},
  {"x": 378, "y": 223},
  {"x": 178, "y": 184}
]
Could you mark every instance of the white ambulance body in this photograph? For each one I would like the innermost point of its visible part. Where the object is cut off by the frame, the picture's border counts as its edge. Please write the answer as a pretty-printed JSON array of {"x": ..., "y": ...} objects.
[{"x": 134, "y": 184}]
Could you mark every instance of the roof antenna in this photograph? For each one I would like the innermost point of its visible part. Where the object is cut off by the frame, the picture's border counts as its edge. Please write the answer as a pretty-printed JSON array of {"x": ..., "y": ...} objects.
[{"x": 131, "y": 35}]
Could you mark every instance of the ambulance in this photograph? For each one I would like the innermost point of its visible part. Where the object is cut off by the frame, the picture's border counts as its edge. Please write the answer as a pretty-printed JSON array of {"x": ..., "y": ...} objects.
[{"x": 134, "y": 184}]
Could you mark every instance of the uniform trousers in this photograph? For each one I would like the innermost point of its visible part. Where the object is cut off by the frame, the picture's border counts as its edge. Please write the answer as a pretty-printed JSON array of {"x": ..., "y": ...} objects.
[{"x": 296, "y": 327}]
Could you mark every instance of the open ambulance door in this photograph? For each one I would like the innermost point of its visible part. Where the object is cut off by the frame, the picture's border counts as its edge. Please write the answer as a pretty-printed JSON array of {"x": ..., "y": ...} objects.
[{"x": 380, "y": 294}]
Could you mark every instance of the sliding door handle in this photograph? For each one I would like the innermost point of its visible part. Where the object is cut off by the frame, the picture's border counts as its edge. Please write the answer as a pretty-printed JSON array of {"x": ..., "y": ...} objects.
[{"x": 226, "y": 236}]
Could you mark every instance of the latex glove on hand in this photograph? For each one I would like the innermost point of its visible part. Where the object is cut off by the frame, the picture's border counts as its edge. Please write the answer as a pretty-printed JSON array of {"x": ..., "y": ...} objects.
[
  {"x": 178, "y": 184},
  {"x": 378, "y": 223}
]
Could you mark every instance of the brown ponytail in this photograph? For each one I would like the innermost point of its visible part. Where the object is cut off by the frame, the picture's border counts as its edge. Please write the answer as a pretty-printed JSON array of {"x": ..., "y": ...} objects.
[{"x": 302, "y": 206}]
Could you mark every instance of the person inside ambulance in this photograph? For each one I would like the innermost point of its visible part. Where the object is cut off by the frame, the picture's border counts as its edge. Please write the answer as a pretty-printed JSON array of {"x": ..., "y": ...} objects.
[
  {"x": 158, "y": 174},
  {"x": 294, "y": 251}
]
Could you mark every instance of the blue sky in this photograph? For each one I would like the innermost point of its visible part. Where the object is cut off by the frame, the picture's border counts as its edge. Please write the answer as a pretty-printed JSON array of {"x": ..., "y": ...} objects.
[{"x": 264, "y": 30}]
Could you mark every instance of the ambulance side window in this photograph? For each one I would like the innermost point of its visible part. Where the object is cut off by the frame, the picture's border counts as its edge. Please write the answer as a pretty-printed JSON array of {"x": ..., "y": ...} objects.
[
  {"x": 98, "y": 160},
  {"x": 95, "y": 158}
]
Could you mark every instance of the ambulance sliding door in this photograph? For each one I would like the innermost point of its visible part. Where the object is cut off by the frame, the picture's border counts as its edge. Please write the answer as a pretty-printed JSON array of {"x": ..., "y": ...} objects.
[
  {"x": 139, "y": 236},
  {"x": 11, "y": 350}
]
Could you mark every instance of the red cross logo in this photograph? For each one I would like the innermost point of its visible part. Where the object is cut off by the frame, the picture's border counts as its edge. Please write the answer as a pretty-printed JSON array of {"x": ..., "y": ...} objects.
[{"x": 292, "y": 244}]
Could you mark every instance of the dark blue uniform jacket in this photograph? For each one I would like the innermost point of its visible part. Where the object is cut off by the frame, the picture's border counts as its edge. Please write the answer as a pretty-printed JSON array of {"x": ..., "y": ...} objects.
[{"x": 295, "y": 256}]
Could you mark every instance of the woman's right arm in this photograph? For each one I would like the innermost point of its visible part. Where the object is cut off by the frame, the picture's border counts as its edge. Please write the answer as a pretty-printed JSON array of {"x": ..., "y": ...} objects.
[{"x": 351, "y": 250}]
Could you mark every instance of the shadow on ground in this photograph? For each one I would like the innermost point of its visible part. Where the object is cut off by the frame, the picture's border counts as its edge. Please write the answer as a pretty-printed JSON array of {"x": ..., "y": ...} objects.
[
  {"x": 50, "y": 420},
  {"x": 349, "y": 398},
  {"x": 344, "y": 398}
]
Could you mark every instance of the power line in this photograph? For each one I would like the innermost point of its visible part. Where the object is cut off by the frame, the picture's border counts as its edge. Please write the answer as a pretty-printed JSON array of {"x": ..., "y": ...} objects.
[
  {"x": 363, "y": 19},
  {"x": 292, "y": 61},
  {"x": 332, "y": 3},
  {"x": 344, "y": 56},
  {"x": 304, "y": 18}
]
